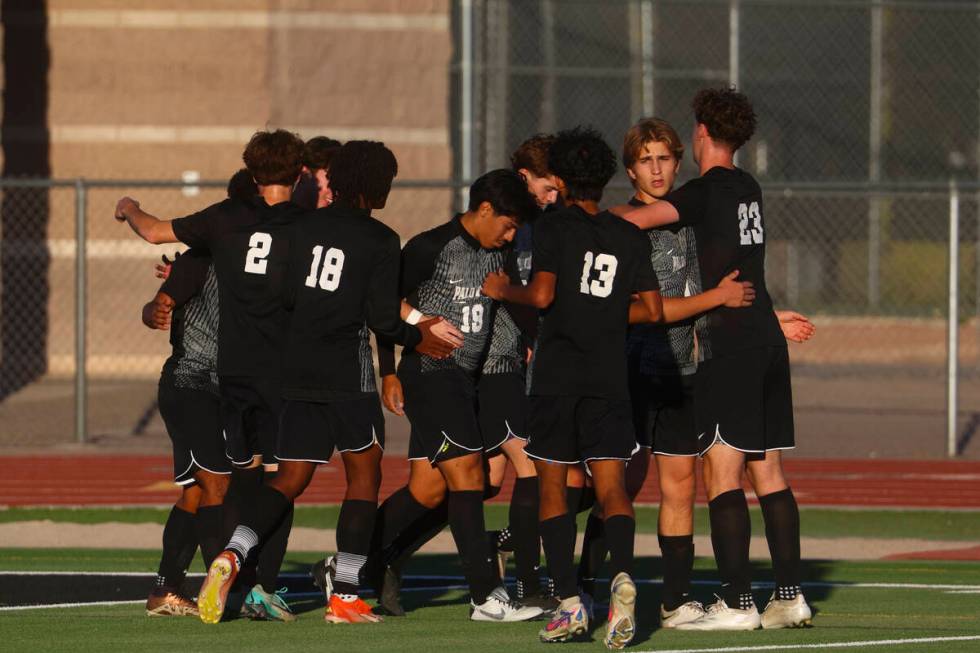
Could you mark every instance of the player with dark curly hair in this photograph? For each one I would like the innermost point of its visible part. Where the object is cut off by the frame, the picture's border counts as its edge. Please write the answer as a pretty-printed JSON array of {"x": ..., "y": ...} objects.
[
  {"x": 742, "y": 390},
  {"x": 315, "y": 183},
  {"x": 587, "y": 264}
]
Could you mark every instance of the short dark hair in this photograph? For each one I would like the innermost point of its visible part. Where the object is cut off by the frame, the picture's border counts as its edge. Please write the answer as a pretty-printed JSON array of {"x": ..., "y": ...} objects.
[
  {"x": 532, "y": 155},
  {"x": 727, "y": 114},
  {"x": 241, "y": 186},
  {"x": 583, "y": 160},
  {"x": 274, "y": 158},
  {"x": 507, "y": 193},
  {"x": 362, "y": 169},
  {"x": 319, "y": 151}
]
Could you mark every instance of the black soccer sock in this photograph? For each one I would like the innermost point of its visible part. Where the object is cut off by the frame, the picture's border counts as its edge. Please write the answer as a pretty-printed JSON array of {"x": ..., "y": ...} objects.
[
  {"x": 179, "y": 546},
  {"x": 272, "y": 551},
  {"x": 241, "y": 492},
  {"x": 730, "y": 533},
  {"x": 416, "y": 534},
  {"x": 782, "y": 519},
  {"x": 558, "y": 538},
  {"x": 585, "y": 501},
  {"x": 525, "y": 533},
  {"x": 209, "y": 524},
  {"x": 620, "y": 536},
  {"x": 677, "y": 552},
  {"x": 593, "y": 553},
  {"x": 354, "y": 527},
  {"x": 470, "y": 533},
  {"x": 490, "y": 491},
  {"x": 396, "y": 514},
  {"x": 573, "y": 499},
  {"x": 258, "y": 521}
]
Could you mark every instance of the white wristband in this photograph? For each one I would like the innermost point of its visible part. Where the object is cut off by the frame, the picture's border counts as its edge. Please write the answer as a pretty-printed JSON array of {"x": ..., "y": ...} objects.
[{"x": 414, "y": 316}]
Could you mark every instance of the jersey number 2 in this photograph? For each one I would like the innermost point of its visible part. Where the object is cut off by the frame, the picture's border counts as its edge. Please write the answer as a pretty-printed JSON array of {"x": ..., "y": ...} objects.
[
  {"x": 749, "y": 224},
  {"x": 333, "y": 265},
  {"x": 259, "y": 246},
  {"x": 605, "y": 265}
]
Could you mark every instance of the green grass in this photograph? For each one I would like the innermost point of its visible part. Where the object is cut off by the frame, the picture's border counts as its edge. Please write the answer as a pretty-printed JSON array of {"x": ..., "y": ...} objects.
[
  {"x": 437, "y": 619},
  {"x": 815, "y": 522}
]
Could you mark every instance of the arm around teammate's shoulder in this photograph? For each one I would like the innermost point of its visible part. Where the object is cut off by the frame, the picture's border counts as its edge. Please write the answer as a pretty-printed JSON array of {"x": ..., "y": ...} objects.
[{"x": 148, "y": 227}]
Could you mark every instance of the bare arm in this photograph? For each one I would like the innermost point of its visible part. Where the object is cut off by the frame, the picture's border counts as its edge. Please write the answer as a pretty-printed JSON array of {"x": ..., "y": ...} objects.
[
  {"x": 540, "y": 292},
  {"x": 650, "y": 216},
  {"x": 148, "y": 227},
  {"x": 647, "y": 308},
  {"x": 730, "y": 293}
]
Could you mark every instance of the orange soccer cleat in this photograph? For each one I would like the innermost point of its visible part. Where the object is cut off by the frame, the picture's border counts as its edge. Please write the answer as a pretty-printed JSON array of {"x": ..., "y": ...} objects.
[{"x": 357, "y": 611}]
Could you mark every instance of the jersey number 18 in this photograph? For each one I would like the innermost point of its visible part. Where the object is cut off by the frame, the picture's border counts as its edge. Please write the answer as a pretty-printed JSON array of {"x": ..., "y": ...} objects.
[{"x": 333, "y": 265}]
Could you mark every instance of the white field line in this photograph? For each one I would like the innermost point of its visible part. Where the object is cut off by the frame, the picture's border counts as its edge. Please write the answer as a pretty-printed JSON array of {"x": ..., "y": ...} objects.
[{"x": 825, "y": 645}]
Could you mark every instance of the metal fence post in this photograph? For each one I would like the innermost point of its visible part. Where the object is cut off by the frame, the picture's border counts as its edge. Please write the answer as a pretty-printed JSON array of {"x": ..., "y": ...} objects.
[
  {"x": 734, "y": 70},
  {"x": 952, "y": 320},
  {"x": 466, "y": 96},
  {"x": 874, "y": 158},
  {"x": 81, "y": 202}
]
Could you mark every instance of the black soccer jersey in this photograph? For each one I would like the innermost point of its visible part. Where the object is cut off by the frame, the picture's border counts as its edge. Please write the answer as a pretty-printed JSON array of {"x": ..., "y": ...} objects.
[
  {"x": 442, "y": 275},
  {"x": 600, "y": 261},
  {"x": 724, "y": 206},
  {"x": 343, "y": 275},
  {"x": 249, "y": 242},
  {"x": 194, "y": 324},
  {"x": 655, "y": 349}
]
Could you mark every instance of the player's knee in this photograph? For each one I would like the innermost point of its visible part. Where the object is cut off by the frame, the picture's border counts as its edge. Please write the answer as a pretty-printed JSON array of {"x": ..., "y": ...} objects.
[{"x": 214, "y": 487}]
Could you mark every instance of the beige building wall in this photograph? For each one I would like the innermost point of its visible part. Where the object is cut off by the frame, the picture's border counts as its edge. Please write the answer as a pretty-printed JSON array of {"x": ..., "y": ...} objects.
[{"x": 157, "y": 89}]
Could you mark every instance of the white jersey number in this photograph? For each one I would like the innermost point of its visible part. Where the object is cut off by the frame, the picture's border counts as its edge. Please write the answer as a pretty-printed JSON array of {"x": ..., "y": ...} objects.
[
  {"x": 749, "y": 224},
  {"x": 472, "y": 319},
  {"x": 333, "y": 265},
  {"x": 605, "y": 265},
  {"x": 259, "y": 246}
]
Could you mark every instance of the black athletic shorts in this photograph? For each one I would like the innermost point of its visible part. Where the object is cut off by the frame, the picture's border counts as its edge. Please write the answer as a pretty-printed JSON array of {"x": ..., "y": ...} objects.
[
  {"x": 311, "y": 431},
  {"x": 503, "y": 405},
  {"x": 745, "y": 401},
  {"x": 193, "y": 421},
  {"x": 250, "y": 416},
  {"x": 570, "y": 430},
  {"x": 663, "y": 413},
  {"x": 441, "y": 407}
]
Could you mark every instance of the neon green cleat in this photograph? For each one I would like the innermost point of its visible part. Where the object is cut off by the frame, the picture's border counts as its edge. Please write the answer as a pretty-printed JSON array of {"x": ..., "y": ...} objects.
[
  {"x": 214, "y": 592},
  {"x": 263, "y": 606}
]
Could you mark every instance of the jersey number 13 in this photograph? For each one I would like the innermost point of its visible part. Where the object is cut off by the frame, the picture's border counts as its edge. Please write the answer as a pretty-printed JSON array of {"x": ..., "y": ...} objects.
[{"x": 605, "y": 265}]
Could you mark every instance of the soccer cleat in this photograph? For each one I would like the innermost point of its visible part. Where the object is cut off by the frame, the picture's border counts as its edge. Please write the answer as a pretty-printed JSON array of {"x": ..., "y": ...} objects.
[
  {"x": 682, "y": 614},
  {"x": 621, "y": 624},
  {"x": 719, "y": 616},
  {"x": 169, "y": 602},
  {"x": 357, "y": 611},
  {"x": 322, "y": 573},
  {"x": 214, "y": 592},
  {"x": 571, "y": 620},
  {"x": 539, "y": 598},
  {"x": 389, "y": 598},
  {"x": 781, "y": 613},
  {"x": 499, "y": 607},
  {"x": 263, "y": 606}
]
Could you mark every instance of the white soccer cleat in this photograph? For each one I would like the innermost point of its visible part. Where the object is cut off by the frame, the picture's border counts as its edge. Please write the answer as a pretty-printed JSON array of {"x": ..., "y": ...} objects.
[
  {"x": 621, "y": 624},
  {"x": 780, "y": 613},
  {"x": 500, "y": 607},
  {"x": 682, "y": 614},
  {"x": 719, "y": 616}
]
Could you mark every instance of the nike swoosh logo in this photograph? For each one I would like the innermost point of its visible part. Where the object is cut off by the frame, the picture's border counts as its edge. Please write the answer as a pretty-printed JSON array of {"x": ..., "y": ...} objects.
[
  {"x": 492, "y": 615},
  {"x": 455, "y": 280}
]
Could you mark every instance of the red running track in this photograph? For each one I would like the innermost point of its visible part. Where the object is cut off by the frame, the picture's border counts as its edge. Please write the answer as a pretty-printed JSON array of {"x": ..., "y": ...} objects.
[{"x": 129, "y": 480}]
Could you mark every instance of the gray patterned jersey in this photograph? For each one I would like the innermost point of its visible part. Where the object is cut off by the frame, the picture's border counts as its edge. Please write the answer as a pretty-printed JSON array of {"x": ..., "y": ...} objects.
[
  {"x": 194, "y": 335},
  {"x": 658, "y": 350}
]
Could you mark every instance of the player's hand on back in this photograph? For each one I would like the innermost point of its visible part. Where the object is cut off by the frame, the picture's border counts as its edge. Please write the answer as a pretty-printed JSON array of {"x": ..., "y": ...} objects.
[
  {"x": 494, "y": 284},
  {"x": 738, "y": 294},
  {"x": 796, "y": 327},
  {"x": 123, "y": 205},
  {"x": 158, "y": 313},
  {"x": 391, "y": 394},
  {"x": 439, "y": 338},
  {"x": 163, "y": 269}
]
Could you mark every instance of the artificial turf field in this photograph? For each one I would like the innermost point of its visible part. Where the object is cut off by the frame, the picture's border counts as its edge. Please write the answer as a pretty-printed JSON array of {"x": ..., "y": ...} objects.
[{"x": 879, "y": 605}]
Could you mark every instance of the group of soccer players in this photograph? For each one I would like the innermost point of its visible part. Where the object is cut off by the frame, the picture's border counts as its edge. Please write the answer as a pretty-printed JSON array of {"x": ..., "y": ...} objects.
[{"x": 537, "y": 330}]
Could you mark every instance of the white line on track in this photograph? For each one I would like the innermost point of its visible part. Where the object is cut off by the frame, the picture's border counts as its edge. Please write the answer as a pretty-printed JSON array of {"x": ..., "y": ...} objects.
[
  {"x": 825, "y": 645},
  {"x": 47, "y": 606},
  {"x": 965, "y": 589}
]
